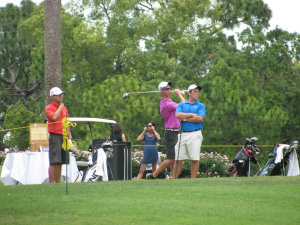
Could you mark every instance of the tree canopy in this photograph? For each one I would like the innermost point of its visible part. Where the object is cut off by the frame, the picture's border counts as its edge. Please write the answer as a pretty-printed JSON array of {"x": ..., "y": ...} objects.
[{"x": 249, "y": 81}]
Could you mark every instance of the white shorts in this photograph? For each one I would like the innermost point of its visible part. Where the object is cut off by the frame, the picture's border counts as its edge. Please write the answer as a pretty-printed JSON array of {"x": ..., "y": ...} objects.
[{"x": 189, "y": 145}]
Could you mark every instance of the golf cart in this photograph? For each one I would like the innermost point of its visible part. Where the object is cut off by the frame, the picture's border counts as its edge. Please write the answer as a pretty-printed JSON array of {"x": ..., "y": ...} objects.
[{"x": 119, "y": 164}]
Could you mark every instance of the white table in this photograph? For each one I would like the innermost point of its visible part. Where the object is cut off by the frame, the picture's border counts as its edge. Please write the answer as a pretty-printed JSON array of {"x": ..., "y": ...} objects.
[{"x": 32, "y": 168}]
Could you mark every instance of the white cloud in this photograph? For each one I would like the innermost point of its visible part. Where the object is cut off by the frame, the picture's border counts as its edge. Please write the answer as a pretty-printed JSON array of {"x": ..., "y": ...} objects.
[{"x": 285, "y": 14}]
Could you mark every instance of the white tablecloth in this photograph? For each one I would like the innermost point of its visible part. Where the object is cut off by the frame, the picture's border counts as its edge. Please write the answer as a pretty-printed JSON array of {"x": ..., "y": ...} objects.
[{"x": 32, "y": 168}]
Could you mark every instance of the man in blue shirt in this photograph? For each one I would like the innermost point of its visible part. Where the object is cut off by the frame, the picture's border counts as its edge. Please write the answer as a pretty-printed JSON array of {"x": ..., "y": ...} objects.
[{"x": 192, "y": 114}]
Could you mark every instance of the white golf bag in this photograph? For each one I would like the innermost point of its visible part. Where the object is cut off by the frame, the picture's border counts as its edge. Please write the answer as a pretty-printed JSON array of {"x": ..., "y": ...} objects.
[{"x": 97, "y": 170}]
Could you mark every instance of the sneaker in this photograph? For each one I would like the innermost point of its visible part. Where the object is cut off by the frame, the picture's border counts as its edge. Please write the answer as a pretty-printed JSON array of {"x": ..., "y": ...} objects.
[
  {"x": 161, "y": 175},
  {"x": 151, "y": 177}
]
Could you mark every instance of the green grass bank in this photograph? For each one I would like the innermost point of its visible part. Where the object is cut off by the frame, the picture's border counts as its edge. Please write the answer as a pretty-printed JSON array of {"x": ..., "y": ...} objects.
[{"x": 254, "y": 200}]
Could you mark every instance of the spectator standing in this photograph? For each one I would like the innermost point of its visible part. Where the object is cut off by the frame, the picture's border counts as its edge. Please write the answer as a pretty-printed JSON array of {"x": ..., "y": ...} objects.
[
  {"x": 192, "y": 113},
  {"x": 55, "y": 113},
  {"x": 150, "y": 151},
  {"x": 116, "y": 133}
]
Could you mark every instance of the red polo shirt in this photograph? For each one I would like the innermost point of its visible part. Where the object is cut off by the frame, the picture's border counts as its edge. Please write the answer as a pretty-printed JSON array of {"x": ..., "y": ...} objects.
[{"x": 57, "y": 126}]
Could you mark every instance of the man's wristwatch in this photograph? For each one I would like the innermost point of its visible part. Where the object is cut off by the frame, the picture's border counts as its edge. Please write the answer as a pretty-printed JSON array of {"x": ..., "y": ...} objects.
[{"x": 183, "y": 120}]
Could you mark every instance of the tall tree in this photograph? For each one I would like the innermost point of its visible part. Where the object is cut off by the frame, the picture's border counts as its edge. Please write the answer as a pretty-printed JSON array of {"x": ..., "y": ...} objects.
[
  {"x": 16, "y": 80},
  {"x": 237, "y": 109},
  {"x": 250, "y": 12},
  {"x": 106, "y": 101},
  {"x": 52, "y": 46}
]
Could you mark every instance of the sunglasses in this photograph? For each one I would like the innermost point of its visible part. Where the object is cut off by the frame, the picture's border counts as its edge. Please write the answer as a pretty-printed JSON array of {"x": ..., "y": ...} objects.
[
  {"x": 150, "y": 126},
  {"x": 166, "y": 89}
]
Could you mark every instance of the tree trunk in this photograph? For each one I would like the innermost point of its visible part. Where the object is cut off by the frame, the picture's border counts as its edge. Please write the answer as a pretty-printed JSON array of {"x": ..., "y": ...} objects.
[{"x": 52, "y": 46}]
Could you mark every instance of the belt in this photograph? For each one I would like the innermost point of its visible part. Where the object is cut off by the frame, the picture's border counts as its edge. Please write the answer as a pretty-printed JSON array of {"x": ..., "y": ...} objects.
[
  {"x": 172, "y": 129},
  {"x": 55, "y": 134},
  {"x": 188, "y": 131}
]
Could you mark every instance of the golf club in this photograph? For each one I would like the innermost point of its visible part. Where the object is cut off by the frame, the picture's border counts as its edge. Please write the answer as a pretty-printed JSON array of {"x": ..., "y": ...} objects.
[
  {"x": 148, "y": 92},
  {"x": 176, "y": 161}
]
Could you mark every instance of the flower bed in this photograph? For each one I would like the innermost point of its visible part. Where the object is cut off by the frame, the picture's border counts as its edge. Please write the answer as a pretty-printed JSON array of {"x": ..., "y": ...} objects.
[
  {"x": 211, "y": 165},
  {"x": 83, "y": 155}
]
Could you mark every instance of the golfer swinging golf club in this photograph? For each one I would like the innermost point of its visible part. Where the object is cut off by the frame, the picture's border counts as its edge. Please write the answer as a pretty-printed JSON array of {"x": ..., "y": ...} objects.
[
  {"x": 172, "y": 124},
  {"x": 192, "y": 113}
]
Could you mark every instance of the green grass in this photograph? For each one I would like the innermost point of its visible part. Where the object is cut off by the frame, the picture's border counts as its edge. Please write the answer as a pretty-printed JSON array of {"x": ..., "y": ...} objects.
[{"x": 255, "y": 200}]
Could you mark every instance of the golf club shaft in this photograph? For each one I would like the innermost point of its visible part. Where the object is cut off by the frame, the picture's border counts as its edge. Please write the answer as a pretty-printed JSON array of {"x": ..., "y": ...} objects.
[{"x": 146, "y": 92}]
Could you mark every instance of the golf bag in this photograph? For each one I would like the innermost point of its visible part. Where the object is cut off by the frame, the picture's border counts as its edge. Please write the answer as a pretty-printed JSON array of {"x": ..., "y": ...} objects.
[
  {"x": 281, "y": 156},
  {"x": 243, "y": 158},
  {"x": 97, "y": 170}
]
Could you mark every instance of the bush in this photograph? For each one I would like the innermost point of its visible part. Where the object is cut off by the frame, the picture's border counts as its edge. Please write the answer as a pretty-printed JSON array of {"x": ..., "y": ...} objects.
[
  {"x": 18, "y": 116},
  {"x": 137, "y": 157},
  {"x": 4, "y": 154},
  {"x": 83, "y": 155},
  {"x": 211, "y": 165},
  {"x": 2, "y": 157}
]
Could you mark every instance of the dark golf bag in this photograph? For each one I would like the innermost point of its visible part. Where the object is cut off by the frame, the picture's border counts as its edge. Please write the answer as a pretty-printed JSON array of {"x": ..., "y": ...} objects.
[
  {"x": 278, "y": 160},
  {"x": 97, "y": 170},
  {"x": 243, "y": 158}
]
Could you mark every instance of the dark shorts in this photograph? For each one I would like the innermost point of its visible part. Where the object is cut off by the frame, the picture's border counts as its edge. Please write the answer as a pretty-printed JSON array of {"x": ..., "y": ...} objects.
[
  {"x": 56, "y": 154},
  {"x": 171, "y": 138}
]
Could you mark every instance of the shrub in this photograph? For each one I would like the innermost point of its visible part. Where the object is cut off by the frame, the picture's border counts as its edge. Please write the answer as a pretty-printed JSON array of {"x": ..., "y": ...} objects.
[
  {"x": 18, "y": 116},
  {"x": 4, "y": 154},
  {"x": 211, "y": 165},
  {"x": 137, "y": 157},
  {"x": 83, "y": 155},
  {"x": 2, "y": 157}
]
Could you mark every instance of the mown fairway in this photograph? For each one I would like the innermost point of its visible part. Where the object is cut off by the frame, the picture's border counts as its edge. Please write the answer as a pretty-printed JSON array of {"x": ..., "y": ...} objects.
[{"x": 256, "y": 200}]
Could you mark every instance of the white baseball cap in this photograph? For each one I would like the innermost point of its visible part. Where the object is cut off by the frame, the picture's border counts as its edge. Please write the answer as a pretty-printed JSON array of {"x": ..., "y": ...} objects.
[
  {"x": 194, "y": 86},
  {"x": 56, "y": 91},
  {"x": 164, "y": 84}
]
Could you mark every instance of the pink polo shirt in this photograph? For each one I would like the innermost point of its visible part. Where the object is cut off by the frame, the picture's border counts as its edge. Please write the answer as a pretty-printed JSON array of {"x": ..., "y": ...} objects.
[{"x": 167, "y": 110}]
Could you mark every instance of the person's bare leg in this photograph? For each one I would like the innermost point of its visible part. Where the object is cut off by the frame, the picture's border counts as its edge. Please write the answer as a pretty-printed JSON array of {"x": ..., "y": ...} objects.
[
  {"x": 153, "y": 167},
  {"x": 57, "y": 173},
  {"x": 51, "y": 172},
  {"x": 172, "y": 166},
  {"x": 163, "y": 166},
  {"x": 177, "y": 169},
  {"x": 141, "y": 171},
  {"x": 194, "y": 168}
]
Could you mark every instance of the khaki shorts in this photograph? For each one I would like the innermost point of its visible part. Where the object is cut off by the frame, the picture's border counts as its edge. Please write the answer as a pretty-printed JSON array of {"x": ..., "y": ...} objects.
[{"x": 189, "y": 145}]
